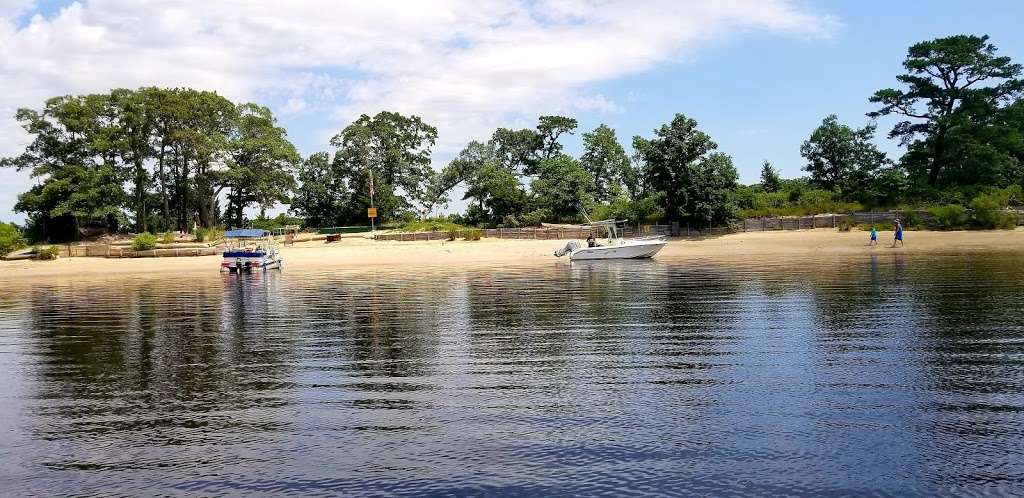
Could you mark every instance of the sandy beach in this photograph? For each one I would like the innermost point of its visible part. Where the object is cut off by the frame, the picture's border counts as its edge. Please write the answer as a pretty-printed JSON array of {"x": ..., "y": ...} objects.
[{"x": 357, "y": 252}]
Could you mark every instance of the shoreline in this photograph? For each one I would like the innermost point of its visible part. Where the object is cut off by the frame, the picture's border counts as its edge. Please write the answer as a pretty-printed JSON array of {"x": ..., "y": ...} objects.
[{"x": 356, "y": 253}]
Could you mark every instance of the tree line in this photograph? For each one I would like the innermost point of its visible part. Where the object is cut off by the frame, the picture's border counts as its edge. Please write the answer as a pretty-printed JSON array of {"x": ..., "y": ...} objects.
[
  {"x": 149, "y": 159},
  {"x": 158, "y": 159}
]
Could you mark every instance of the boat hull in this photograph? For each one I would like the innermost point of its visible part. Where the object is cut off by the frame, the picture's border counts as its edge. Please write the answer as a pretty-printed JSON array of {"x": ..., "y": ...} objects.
[
  {"x": 635, "y": 250},
  {"x": 250, "y": 265}
]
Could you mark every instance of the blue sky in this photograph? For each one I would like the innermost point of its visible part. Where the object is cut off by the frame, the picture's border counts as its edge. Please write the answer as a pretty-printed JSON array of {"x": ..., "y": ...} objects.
[{"x": 757, "y": 75}]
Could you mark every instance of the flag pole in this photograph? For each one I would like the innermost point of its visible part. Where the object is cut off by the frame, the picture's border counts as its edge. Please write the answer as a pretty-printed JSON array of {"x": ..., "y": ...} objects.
[{"x": 372, "y": 224}]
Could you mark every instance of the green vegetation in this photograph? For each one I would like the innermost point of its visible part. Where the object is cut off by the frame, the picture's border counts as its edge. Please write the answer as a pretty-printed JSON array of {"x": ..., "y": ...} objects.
[
  {"x": 442, "y": 224},
  {"x": 178, "y": 149},
  {"x": 184, "y": 153},
  {"x": 167, "y": 238},
  {"x": 212, "y": 234},
  {"x": 48, "y": 253},
  {"x": 11, "y": 239},
  {"x": 949, "y": 217},
  {"x": 280, "y": 221},
  {"x": 881, "y": 226},
  {"x": 144, "y": 242},
  {"x": 473, "y": 234}
]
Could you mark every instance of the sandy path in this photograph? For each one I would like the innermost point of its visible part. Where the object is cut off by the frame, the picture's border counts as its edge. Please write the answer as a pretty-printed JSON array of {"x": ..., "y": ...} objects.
[{"x": 356, "y": 253}]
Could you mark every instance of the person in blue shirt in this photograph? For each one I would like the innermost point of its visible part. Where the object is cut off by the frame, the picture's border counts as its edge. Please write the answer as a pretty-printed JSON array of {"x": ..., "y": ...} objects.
[
  {"x": 874, "y": 236},
  {"x": 898, "y": 236}
]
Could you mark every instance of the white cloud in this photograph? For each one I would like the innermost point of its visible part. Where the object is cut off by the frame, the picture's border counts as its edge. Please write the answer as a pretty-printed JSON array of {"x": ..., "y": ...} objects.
[{"x": 464, "y": 65}]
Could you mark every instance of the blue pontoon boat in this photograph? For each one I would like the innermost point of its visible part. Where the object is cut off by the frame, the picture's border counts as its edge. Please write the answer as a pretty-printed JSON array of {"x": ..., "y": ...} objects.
[{"x": 249, "y": 250}]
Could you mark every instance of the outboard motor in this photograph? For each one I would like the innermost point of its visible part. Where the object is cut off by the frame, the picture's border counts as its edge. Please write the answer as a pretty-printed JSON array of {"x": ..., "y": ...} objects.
[{"x": 569, "y": 248}]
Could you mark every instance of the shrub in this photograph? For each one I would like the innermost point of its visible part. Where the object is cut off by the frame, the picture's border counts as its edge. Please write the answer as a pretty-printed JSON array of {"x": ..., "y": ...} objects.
[
  {"x": 168, "y": 238},
  {"x": 533, "y": 218},
  {"x": 11, "y": 238},
  {"x": 949, "y": 217},
  {"x": 473, "y": 234},
  {"x": 144, "y": 242},
  {"x": 212, "y": 234},
  {"x": 885, "y": 226},
  {"x": 845, "y": 224},
  {"x": 47, "y": 253},
  {"x": 911, "y": 219},
  {"x": 428, "y": 225},
  {"x": 510, "y": 222},
  {"x": 1006, "y": 221},
  {"x": 453, "y": 234},
  {"x": 279, "y": 221}
]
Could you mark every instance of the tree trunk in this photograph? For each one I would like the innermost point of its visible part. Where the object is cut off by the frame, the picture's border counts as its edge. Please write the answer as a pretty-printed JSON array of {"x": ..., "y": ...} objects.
[
  {"x": 239, "y": 214},
  {"x": 140, "y": 197},
  {"x": 163, "y": 188},
  {"x": 937, "y": 157}
]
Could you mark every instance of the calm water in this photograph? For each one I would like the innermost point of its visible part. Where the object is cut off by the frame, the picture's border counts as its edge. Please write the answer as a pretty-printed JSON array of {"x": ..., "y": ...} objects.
[{"x": 868, "y": 375}]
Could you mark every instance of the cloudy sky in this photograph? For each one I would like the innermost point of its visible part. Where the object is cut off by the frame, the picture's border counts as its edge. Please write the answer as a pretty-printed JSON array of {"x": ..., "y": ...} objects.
[{"x": 757, "y": 74}]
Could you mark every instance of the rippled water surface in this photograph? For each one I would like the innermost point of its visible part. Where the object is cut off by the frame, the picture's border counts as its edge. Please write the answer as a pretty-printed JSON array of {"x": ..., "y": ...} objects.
[{"x": 866, "y": 375}]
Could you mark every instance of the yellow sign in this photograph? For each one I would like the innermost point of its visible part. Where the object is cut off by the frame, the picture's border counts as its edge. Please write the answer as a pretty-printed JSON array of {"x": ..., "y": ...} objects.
[{"x": 371, "y": 212}]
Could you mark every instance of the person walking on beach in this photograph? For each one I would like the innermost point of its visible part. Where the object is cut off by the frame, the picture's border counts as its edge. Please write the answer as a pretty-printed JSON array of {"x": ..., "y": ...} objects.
[
  {"x": 898, "y": 236},
  {"x": 874, "y": 236}
]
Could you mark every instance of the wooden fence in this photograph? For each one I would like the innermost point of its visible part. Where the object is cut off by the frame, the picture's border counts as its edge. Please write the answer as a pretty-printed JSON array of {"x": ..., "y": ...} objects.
[
  {"x": 747, "y": 225},
  {"x": 114, "y": 251}
]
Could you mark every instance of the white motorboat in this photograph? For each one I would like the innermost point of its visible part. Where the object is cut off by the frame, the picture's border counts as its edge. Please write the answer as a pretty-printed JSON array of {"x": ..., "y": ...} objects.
[{"x": 614, "y": 247}]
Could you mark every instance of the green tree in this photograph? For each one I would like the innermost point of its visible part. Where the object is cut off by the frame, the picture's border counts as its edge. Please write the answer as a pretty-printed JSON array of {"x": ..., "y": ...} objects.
[
  {"x": 262, "y": 161},
  {"x": 550, "y": 129},
  {"x": 606, "y": 161},
  {"x": 11, "y": 238},
  {"x": 840, "y": 157},
  {"x": 770, "y": 179},
  {"x": 563, "y": 187},
  {"x": 517, "y": 150},
  {"x": 949, "y": 83},
  {"x": 321, "y": 197},
  {"x": 695, "y": 184},
  {"x": 394, "y": 151},
  {"x": 73, "y": 157},
  {"x": 134, "y": 126}
]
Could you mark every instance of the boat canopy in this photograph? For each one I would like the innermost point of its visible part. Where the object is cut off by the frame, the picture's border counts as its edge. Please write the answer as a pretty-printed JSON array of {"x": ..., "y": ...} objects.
[
  {"x": 605, "y": 223},
  {"x": 246, "y": 233}
]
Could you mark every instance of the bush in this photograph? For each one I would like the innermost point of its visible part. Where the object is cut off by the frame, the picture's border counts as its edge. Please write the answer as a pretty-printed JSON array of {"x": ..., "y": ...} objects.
[
  {"x": 885, "y": 226},
  {"x": 47, "y": 253},
  {"x": 473, "y": 234},
  {"x": 144, "y": 242},
  {"x": 429, "y": 225},
  {"x": 845, "y": 224},
  {"x": 949, "y": 217},
  {"x": 1006, "y": 221},
  {"x": 453, "y": 234},
  {"x": 11, "y": 238},
  {"x": 510, "y": 222},
  {"x": 533, "y": 218},
  {"x": 212, "y": 234},
  {"x": 911, "y": 219},
  {"x": 280, "y": 221},
  {"x": 168, "y": 238}
]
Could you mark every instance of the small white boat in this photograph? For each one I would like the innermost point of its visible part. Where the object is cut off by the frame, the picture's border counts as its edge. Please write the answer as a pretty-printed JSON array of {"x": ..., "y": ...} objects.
[
  {"x": 250, "y": 250},
  {"x": 614, "y": 248}
]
